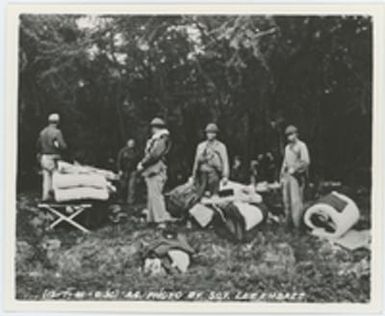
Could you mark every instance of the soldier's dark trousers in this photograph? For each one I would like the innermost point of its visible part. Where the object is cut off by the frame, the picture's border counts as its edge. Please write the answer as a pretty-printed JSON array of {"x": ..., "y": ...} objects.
[
  {"x": 208, "y": 182},
  {"x": 128, "y": 186}
]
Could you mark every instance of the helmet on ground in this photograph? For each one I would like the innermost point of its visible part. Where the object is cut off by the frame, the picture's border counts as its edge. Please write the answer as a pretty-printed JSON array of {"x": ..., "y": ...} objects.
[
  {"x": 212, "y": 128},
  {"x": 291, "y": 129},
  {"x": 158, "y": 122},
  {"x": 53, "y": 118}
]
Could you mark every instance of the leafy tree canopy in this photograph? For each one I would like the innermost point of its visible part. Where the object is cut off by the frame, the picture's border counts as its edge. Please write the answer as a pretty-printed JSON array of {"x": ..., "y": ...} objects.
[{"x": 109, "y": 75}]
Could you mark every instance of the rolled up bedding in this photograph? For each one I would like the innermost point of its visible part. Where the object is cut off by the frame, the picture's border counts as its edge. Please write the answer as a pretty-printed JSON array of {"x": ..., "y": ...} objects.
[
  {"x": 81, "y": 193},
  {"x": 67, "y": 168},
  {"x": 252, "y": 215},
  {"x": 332, "y": 216},
  {"x": 66, "y": 181}
]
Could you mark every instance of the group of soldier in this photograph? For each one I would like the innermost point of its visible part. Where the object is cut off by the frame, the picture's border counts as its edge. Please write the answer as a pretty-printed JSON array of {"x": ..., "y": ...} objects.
[{"x": 210, "y": 168}]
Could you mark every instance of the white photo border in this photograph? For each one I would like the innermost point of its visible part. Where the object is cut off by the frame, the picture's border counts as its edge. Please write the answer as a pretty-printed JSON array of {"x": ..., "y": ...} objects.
[{"x": 377, "y": 11}]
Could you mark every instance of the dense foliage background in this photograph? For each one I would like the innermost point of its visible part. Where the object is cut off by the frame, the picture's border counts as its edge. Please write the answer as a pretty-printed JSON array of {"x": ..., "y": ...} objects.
[{"x": 109, "y": 75}]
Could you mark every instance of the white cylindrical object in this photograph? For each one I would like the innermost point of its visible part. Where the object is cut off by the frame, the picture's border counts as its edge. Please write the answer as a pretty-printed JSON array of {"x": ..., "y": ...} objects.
[{"x": 343, "y": 220}]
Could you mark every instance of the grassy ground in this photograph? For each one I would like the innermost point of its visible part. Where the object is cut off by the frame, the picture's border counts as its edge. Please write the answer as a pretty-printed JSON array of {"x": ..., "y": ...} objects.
[{"x": 275, "y": 265}]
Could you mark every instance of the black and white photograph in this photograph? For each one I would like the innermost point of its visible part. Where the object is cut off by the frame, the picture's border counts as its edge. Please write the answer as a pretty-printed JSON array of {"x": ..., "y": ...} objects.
[{"x": 186, "y": 157}]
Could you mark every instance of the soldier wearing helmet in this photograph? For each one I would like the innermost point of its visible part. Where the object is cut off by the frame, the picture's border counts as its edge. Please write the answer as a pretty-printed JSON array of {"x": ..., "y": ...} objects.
[
  {"x": 293, "y": 176},
  {"x": 211, "y": 163},
  {"x": 154, "y": 170},
  {"x": 50, "y": 146}
]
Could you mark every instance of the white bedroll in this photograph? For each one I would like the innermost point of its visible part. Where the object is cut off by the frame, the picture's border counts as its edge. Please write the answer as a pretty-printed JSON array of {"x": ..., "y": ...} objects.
[
  {"x": 77, "y": 183},
  {"x": 342, "y": 220},
  {"x": 74, "y": 184}
]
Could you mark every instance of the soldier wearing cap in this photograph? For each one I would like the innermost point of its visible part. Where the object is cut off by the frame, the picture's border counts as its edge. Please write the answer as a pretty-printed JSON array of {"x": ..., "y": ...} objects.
[
  {"x": 293, "y": 176},
  {"x": 154, "y": 170},
  {"x": 211, "y": 164},
  {"x": 50, "y": 146}
]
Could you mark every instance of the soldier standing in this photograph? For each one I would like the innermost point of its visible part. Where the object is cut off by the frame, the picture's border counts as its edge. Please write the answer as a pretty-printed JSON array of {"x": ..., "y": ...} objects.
[
  {"x": 50, "y": 146},
  {"x": 154, "y": 171},
  {"x": 293, "y": 176},
  {"x": 211, "y": 165}
]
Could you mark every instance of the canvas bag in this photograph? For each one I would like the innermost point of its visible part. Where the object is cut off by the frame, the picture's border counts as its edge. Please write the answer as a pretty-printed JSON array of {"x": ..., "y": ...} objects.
[{"x": 181, "y": 199}]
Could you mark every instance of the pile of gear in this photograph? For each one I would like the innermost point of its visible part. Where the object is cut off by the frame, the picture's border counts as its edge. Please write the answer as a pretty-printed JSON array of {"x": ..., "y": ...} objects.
[
  {"x": 235, "y": 212},
  {"x": 169, "y": 254}
]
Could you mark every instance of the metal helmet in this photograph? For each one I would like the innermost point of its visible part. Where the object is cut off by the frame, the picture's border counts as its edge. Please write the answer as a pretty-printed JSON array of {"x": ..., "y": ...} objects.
[
  {"x": 291, "y": 129},
  {"x": 158, "y": 122},
  {"x": 53, "y": 118},
  {"x": 212, "y": 128}
]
